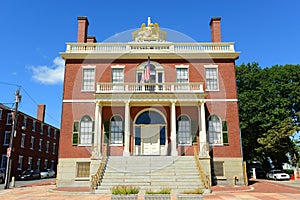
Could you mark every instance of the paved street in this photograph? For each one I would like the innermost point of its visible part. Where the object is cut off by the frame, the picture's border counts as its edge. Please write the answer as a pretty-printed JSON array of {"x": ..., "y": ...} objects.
[{"x": 258, "y": 190}]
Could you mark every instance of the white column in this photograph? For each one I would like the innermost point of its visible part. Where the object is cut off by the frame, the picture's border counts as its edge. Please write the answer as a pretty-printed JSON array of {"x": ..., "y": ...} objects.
[
  {"x": 202, "y": 133},
  {"x": 173, "y": 130},
  {"x": 97, "y": 131},
  {"x": 127, "y": 130}
]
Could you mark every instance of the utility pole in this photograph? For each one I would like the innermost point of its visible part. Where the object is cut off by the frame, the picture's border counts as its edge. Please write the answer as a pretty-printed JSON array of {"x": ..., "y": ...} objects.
[{"x": 11, "y": 139}]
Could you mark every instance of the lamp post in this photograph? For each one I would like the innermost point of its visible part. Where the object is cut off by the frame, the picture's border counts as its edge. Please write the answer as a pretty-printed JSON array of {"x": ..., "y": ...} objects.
[{"x": 12, "y": 135}]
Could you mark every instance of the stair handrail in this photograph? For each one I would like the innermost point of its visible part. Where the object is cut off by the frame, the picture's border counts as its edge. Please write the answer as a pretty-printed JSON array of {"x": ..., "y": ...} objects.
[
  {"x": 204, "y": 177},
  {"x": 96, "y": 179}
]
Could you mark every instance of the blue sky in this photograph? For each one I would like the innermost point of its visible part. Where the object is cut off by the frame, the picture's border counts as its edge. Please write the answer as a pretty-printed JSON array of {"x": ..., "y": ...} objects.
[{"x": 33, "y": 32}]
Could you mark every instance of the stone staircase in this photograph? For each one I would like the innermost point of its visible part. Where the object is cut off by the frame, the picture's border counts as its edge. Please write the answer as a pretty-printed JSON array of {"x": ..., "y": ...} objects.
[{"x": 151, "y": 172}]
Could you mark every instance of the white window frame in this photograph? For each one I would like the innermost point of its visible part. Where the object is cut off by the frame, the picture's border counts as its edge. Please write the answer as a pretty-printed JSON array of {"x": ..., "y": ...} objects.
[
  {"x": 6, "y": 140},
  {"x": 116, "y": 142},
  {"x": 120, "y": 78},
  {"x": 40, "y": 144},
  {"x": 49, "y": 131},
  {"x": 46, "y": 164},
  {"x": 3, "y": 161},
  {"x": 23, "y": 140},
  {"x": 33, "y": 125},
  {"x": 32, "y": 142},
  {"x": 30, "y": 162},
  {"x": 215, "y": 137},
  {"x": 9, "y": 119},
  {"x": 42, "y": 129},
  {"x": 38, "y": 163},
  {"x": 47, "y": 146},
  {"x": 189, "y": 132},
  {"x": 89, "y": 88},
  {"x": 54, "y": 148},
  {"x": 86, "y": 131},
  {"x": 217, "y": 77},
  {"x": 20, "y": 162}
]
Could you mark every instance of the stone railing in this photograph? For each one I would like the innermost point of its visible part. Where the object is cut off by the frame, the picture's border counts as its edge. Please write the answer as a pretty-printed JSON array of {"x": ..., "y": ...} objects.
[
  {"x": 204, "y": 177},
  {"x": 194, "y": 87},
  {"x": 161, "y": 47},
  {"x": 97, "y": 178}
]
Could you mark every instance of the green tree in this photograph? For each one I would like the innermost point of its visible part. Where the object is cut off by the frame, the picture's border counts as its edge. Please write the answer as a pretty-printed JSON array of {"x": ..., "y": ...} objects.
[{"x": 267, "y": 97}]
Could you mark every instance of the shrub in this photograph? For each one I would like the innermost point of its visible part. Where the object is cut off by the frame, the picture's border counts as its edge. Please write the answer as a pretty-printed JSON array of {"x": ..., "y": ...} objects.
[
  {"x": 196, "y": 191},
  {"x": 123, "y": 189},
  {"x": 162, "y": 191}
]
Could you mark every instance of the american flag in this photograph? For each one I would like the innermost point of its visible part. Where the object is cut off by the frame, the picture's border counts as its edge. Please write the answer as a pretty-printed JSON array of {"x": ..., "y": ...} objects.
[{"x": 147, "y": 71}]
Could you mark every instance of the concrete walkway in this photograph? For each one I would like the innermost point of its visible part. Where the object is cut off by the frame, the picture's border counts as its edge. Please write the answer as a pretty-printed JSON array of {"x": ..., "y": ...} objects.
[{"x": 258, "y": 190}]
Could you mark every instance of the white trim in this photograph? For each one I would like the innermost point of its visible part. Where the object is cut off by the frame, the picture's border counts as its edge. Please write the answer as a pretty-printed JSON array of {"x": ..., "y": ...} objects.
[
  {"x": 117, "y": 66},
  {"x": 89, "y": 67},
  {"x": 220, "y": 100},
  {"x": 79, "y": 101},
  {"x": 182, "y": 66},
  {"x": 211, "y": 66}
]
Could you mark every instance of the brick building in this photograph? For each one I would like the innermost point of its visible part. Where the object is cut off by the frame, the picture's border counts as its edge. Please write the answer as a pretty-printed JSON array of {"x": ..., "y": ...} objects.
[
  {"x": 149, "y": 97},
  {"x": 35, "y": 144}
]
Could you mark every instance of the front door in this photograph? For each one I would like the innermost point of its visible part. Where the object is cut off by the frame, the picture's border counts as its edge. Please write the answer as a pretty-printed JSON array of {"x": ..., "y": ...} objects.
[{"x": 150, "y": 140}]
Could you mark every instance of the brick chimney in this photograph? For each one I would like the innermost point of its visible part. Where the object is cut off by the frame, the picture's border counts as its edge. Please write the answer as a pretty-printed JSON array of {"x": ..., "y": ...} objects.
[
  {"x": 83, "y": 24},
  {"x": 215, "y": 28},
  {"x": 41, "y": 112},
  {"x": 91, "y": 39}
]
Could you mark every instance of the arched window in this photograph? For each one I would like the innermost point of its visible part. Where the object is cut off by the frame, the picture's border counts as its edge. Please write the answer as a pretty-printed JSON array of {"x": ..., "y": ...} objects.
[
  {"x": 214, "y": 130},
  {"x": 86, "y": 130},
  {"x": 116, "y": 130},
  {"x": 184, "y": 130}
]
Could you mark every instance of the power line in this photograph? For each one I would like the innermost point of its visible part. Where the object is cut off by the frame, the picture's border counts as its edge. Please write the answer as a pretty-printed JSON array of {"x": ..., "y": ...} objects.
[{"x": 30, "y": 97}]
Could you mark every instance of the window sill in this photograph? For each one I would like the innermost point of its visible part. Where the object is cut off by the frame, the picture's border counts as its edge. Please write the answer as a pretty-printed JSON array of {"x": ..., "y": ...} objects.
[
  {"x": 180, "y": 145},
  {"x": 115, "y": 145},
  {"x": 84, "y": 145},
  {"x": 221, "y": 178},
  {"x": 82, "y": 179}
]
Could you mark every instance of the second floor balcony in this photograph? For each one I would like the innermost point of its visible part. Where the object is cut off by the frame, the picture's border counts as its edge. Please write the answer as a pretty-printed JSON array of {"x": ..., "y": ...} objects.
[{"x": 194, "y": 87}]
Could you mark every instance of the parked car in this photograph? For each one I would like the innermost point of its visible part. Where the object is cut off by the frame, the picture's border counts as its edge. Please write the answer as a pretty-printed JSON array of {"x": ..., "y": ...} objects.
[
  {"x": 47, "y": 173},
  {"x": 30, "y": 174},
  {"x": 2, "y": 176},
  {"x": 277, "y": 174}
]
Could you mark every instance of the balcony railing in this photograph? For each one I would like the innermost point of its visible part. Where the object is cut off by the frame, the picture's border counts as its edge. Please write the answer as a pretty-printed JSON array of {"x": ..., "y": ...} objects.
[
  {"x": 195, "y": 87},
  {"x": 162, "y": 47}
]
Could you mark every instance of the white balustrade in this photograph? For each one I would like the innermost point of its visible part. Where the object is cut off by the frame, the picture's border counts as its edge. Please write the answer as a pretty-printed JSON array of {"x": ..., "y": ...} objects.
[{"x": 150, "y": 87}]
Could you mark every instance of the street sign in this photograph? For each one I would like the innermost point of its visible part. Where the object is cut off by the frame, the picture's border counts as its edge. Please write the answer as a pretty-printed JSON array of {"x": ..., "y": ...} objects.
[{"x": 8, "y": 152}]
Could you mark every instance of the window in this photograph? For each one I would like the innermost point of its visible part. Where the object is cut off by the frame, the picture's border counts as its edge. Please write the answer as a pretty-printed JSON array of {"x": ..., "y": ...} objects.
[
  {"x": 182, "y": 77},
  {"x": 47, "y": 147},
  {"x": 29, "y": 163},
  {"x": 88, "y": 79},
  {"x": 86, "y": 130},
  {"x": 24, "y": 122},
  {"x": 116, "y": 130},
  {"x": 184, "y": 130},
  {"x": 20, "y": 163},
  {"x": 83, "y": 169},
  {"x": 23, "y": 140},
  {"x": 218, "y": 168},
  {"x": 38, "y": 163},
  {"x": 117, "y": 77},
  {"x": 214, "y": 130},
  {"x": 49, "y": 132},
  {"x": 52, "y": 164},
  {"x": 42, "y": 129},
  {"x": 32, "y": 143},
  {"x": 3, "y": 161},
  {"x": 211, "y": 76},
  {"x": 1, "y": 113},
  {"x": 40, "y": 144},
  {"x": 225, "y": 132},
  {"x": 55, "y": 133},
  {"x": 46, "y": 164},
  {"x": 6, "y": 138},
  {"x": 75, "y": 138},
  {"x": 9, "y": 119},
  {"x": 33, "y": 125},
  {"x": 54, "y": 148}
]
